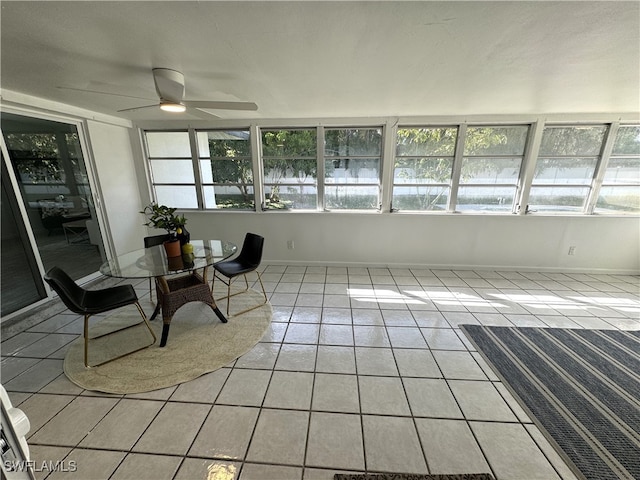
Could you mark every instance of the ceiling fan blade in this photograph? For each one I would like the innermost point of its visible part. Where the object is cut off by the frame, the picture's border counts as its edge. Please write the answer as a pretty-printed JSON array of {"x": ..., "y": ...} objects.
[
  {"x": 202, "y": 114},
  {"x": 222, "y": 105},
  {"x": 102, "y": 93},
  {"x": 138, "y": 108}
]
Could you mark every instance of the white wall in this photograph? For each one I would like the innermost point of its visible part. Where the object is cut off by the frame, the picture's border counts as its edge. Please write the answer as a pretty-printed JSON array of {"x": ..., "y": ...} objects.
[
  {"x": 120, "y": 192},
  {"x": 507, "y": 242}
]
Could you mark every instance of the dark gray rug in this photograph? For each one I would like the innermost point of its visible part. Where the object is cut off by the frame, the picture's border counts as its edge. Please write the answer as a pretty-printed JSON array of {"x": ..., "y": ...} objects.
[
  {"x": 581, "y": 387},
  {"x": 409, "y": 476}
]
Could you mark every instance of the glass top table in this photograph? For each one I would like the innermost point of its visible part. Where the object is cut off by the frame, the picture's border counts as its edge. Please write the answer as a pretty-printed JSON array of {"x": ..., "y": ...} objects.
[
  {"x": 173, "y": 290},
  {"x": 153, "y": 261}
]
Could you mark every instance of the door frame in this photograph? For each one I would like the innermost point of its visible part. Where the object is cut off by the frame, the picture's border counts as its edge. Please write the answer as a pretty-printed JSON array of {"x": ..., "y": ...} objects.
[{"x": 105, "y": 248}]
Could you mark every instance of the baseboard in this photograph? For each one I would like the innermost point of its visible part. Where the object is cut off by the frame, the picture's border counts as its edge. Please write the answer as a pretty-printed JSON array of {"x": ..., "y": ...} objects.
[{"x": 501, "y": 268}]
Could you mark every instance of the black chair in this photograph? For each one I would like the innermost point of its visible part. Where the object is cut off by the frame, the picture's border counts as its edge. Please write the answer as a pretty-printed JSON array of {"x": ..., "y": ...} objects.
[
  {"x": 246, "y": 262},
  {"x": 90, "y": 302},
  {"x": 152, "y": 241}
]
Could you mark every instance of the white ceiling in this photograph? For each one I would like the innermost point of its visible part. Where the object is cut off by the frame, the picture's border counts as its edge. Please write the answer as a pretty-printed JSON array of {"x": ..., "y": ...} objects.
[{"x": 329, "y": 59}]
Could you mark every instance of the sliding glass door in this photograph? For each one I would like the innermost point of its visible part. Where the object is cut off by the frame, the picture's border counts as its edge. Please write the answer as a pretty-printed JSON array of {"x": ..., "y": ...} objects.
[
  {"x": 21, "y": 285},
  {"x": 47, "y": 161}
]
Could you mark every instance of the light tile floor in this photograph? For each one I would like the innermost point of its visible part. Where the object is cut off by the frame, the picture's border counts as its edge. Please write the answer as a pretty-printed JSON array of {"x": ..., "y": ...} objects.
[{"x": 362, "y": 369}]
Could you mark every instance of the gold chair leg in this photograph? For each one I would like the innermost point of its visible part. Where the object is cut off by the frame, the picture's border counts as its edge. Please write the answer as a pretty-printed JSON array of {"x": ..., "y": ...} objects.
[
  {"x": 213, "y": 282},
  {"x": 254, "y": 307},
  {"x": 262, "y": 286},
  {"x": 86, "y": 338},
  {"x": 229, "y": 294}
]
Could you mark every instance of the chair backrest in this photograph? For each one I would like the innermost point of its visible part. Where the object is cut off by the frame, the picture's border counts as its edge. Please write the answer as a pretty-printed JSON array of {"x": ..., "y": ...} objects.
[
  {"x": 251, "y": 253},
  {"x": 69, "y": 291},
  {"x": 154, "y": 240}
]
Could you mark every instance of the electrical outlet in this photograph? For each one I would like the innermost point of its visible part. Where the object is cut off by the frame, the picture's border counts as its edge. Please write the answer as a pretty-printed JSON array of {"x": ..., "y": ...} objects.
[
  {"x": 290, "y": 245},
  {"x": 572, "y": 250}
]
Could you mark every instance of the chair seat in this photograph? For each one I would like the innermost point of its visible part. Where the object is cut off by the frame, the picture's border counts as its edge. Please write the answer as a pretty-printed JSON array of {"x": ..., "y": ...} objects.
[
  {"x": 98, "y": 301},
  {"x": 233, "y": 268}
]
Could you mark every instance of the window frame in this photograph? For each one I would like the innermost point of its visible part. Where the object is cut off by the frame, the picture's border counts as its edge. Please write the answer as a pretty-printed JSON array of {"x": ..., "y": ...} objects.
[
  {"x": 150, "y": 159},
  {"x": 448, "y": 185},
  {"x": 213, "y": 183},
  {"x": 323, "y": 158},
  {"x": 261, "y": 163},
  {"x": 387, "y": 158},
  {"x": 516, "y": 185},
  {"x": 592, "y": 186},
  {"x": 608, "y": 155}
]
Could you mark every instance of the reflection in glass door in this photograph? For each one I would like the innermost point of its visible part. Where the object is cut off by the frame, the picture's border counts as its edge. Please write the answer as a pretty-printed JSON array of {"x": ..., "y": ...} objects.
[
  {"x": 21, "y": 283},
  {"x": 46, "y": 158}
]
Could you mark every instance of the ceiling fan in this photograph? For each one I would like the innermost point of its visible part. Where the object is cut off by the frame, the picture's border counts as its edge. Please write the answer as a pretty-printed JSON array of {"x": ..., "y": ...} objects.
[{"x": 170, "y": 88}]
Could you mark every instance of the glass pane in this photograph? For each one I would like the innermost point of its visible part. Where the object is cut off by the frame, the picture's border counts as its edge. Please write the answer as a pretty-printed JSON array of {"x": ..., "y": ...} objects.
[
  {"x": 627, "y": 141},
  {"x": 21, "y": 283},
  {"x": 558, "y": 199},
  {"x": 490, "y": 170},
  {"x": 488, "y": 199},
  {"x": 228, "y": 171},
  {"x": 281, "y": 197},
  {"x": 420, "y": 198},
  {"x": 227, "y": 163},
  {"x": 172, "y": 171},
  {"x": 224, "y": 143},
  {"x": 289, "y": 143},
  {"x": 351, "y": 197},
  {"x": 48, "y": 160},
  {"x": 177, "y": 196},
  {"x": 623, "y": 170},
  {"x": 618, "y": 199},
  {"x": 290, "y": 171},
  {"x": 577, "y": 171},
  {"x": 495, "y": 140},
  {"x": 229, "y": 196},
  {"x": 577, "y": 141},
  {"x": 168, "y": 144},
  {"x": 354, "y": 170},
  {"x": 422, "y": 170},
  {"x": 290, "y": 168},
  {"x": 205, "y": 171},
  {"x": 36, "y": 158},
  {"x": 426, "y": 141},
  {"x": 352, "y": 142}
]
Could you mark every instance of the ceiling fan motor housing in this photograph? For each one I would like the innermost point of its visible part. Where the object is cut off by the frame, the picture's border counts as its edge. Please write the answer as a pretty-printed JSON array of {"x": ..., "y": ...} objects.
[{"x": 169, "y": 85}]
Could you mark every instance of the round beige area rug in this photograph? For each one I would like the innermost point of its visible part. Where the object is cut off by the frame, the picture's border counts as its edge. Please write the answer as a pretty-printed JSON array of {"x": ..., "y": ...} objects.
[{"x": 198, "y": 343}]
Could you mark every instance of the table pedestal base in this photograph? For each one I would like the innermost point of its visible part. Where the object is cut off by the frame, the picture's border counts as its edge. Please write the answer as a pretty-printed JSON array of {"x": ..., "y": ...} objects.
[{"x": 173, "y": 293}]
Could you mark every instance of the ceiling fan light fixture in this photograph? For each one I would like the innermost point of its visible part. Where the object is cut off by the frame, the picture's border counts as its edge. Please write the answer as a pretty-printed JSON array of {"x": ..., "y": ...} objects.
[{"x": 172, "y": 107}]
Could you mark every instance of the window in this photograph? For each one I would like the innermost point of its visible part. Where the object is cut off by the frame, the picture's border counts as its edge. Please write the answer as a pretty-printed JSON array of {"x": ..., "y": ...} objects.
[
  {"x": 565, "y": 168},
  {"x": 423, "y": 168},
  {"x": 290, "y": 163},
  {"x": 172, "y": 168},
  {"x": 491, "y": 168},
  {"x": 226, "y": 169},
  {"x": 352, "y": 158},
  {"x": 436, "y": 168},
  {"x": 620, "y": 190}
]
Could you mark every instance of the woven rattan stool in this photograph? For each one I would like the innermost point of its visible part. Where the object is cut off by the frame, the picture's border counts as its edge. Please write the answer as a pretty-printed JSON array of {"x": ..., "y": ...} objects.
[{"x": 173, "y": 293}]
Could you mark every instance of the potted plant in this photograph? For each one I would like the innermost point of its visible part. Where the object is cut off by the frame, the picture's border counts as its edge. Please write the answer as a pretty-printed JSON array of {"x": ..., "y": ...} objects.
[{"x": 163, "y": 217}]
